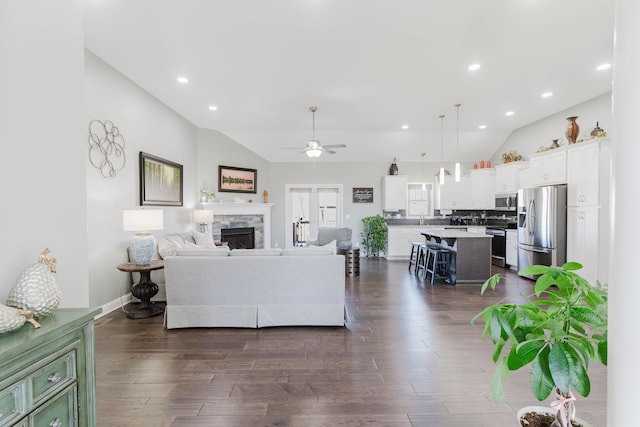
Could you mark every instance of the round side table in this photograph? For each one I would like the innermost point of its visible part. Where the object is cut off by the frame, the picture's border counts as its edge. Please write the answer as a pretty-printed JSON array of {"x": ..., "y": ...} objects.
[{"x": 143, "y": 290}]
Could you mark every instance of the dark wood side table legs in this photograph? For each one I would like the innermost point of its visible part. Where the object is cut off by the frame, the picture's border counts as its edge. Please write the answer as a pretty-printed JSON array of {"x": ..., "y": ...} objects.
[{"x": 144, "y": 291}]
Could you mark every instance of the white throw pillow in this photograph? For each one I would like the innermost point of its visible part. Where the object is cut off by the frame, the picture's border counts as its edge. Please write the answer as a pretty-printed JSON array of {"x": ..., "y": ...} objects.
[
  {"x": 166, "y": 247},
  {"x": 204, "y": 240},
  {"x": 176, "y": 238}
]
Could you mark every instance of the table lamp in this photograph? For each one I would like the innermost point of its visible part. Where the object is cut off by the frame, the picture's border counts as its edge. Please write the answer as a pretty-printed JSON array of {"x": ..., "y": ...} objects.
[
  {"x": 142, "y": 222},
  {"x": 203, "y": 217}
]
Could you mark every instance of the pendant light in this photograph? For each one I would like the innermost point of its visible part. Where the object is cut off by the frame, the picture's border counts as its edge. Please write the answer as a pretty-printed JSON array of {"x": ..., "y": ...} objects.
[
  {"x": 442, "y": 172},
  {"x": 457, "y": 167}
]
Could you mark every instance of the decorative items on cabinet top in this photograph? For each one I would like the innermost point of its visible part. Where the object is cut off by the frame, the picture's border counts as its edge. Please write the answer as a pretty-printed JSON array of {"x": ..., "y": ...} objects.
[{"x": 511, "y": 156}]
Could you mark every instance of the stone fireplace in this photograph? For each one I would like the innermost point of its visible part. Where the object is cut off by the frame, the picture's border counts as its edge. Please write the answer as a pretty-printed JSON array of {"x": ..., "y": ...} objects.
[{"x": 242, "y": 215}]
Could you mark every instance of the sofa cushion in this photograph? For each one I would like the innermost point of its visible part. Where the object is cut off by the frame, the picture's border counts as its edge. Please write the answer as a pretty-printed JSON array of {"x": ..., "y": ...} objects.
[
  {"x": 310, "y": 250},
  {"x": 198, "y": 251},
  {"x": 256, "y": 252},
  {"x": 204, "y": 240}
]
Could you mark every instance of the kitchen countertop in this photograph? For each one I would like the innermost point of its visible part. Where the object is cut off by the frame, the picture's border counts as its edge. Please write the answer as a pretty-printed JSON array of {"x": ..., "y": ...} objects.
[{"x": 452, "y": 233}]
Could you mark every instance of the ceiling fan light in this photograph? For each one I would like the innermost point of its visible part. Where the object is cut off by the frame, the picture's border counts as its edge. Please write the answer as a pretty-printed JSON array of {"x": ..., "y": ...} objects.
[{"x": 314, "y": 152}]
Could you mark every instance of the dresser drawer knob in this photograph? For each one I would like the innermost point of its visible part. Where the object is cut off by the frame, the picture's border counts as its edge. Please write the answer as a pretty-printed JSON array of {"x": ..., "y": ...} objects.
[
  {"x": 56, "y": 423},
  {"x": 53, "y": 378}
]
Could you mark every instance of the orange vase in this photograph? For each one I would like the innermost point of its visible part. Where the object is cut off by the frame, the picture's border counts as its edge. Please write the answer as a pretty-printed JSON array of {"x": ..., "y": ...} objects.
[{"x": 572, "y": 129}]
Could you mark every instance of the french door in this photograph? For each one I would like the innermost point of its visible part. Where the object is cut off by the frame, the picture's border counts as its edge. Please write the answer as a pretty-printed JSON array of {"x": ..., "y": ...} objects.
[{"x": 309, "y": 207}]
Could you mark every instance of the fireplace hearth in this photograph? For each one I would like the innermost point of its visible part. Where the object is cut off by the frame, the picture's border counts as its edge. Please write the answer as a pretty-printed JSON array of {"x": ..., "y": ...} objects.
[{"x": 239, "y": 237}]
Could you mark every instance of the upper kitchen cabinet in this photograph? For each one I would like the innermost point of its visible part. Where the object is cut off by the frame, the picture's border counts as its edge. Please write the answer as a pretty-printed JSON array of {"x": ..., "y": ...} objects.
[
  {"x": 394, "y": 193},
  {"x": 420, "y": 199},
  {"x": 583, "y": 174},
  {"x": 482, "y": 189},
  {"x": 549, "y": 167},
  {"x": 454, "y": 195},
  {"x": 507, "y": 176}
]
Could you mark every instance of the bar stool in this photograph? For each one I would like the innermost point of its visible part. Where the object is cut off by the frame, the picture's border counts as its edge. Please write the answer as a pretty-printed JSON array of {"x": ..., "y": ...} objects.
[
  {"x": 415, "y": 255},
  {"x": 437, "y": 263},
  {"x": 424, "y": 258}
]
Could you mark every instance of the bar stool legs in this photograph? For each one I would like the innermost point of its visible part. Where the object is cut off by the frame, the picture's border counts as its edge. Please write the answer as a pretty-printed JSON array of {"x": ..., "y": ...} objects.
[
  {"x": 415, "y": 256},
  {"x": 437, "y": 264}
]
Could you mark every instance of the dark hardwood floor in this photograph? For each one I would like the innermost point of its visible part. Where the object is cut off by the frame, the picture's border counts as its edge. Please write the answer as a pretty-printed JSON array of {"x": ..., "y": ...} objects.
[{"x": 407, "y": 357}]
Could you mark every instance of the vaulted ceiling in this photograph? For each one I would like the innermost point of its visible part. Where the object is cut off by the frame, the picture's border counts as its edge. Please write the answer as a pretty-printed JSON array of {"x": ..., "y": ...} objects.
[{"x": 370, "y": 66}]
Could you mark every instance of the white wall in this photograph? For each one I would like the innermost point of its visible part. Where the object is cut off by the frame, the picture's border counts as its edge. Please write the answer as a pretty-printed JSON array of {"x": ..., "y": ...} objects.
[
  {"x": 42, "y": 166},
  {"x": 529, "y": 138},
  {"x": 149, "y": 126},
  {"x": 214, "y": 149}
]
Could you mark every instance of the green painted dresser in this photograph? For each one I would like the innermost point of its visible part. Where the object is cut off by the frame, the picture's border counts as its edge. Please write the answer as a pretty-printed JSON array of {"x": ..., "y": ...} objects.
[{"x": 47, "y": 375}]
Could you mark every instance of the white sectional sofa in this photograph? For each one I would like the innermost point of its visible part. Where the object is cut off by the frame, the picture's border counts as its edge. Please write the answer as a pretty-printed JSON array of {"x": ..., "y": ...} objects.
[{"x": 254, "y": 288}]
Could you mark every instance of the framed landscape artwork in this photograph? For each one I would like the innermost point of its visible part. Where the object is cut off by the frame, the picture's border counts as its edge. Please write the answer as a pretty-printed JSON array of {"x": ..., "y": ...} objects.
[
  {"x": 160, "y": 181},
  {"x": 237, "y": 180}
]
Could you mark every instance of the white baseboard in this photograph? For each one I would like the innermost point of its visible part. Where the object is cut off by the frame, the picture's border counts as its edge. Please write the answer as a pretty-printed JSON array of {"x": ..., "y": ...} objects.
[{"x": 114, "y": 305}]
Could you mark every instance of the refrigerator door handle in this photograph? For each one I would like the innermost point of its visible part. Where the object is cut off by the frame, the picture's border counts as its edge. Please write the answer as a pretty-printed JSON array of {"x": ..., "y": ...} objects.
[{"x": 538, "y": 250}]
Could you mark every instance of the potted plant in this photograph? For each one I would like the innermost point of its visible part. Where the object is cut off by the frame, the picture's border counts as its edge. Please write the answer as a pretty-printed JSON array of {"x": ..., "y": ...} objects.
[
  {"x": 374, "y": 235},
  {"x": 511, "y": 156},
  {"x": 558, "y": 331}
]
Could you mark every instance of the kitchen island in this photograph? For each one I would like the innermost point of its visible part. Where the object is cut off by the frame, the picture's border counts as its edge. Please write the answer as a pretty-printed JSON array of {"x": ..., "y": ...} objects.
[{"x": 470, "y": 253}]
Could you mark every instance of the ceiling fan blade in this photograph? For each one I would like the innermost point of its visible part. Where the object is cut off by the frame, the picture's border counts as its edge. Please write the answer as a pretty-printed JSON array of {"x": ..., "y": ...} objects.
[
  {"x": 335, "y": 146},
  {"x": 329, "y": 151}
]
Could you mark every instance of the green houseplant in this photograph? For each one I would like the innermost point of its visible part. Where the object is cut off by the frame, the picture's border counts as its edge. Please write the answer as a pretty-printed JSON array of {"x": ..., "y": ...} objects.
[
  {"x": 558, "y": 331},
  {"x": 374, "y": 235}
]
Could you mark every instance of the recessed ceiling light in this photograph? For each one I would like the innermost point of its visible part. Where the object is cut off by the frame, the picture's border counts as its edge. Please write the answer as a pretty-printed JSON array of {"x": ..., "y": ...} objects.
[
  {"x": 547, "y": 94},
  {"x": 213, "y": 107},
  {"x": 405, "y": 127},
  {"x": 182, "y": 79},
  {"x": 473, "y": 67},
  {"x": 509, "y": 113},
  {"x": 603, "y": 67},
  {"x": 482, "y": 127}
]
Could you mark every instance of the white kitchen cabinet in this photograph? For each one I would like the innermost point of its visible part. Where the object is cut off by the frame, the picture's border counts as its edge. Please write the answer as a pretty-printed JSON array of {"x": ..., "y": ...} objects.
[
  {"x": 512, "y": 249},
  {"x": 482, "y": 189},
  {"x": 420, "y": 197},
  {"x": 508, "y": 177},
  {"x": 583, "y": 225},
  {"x": 525, "y": 179},
  {"x": 455, "y": 195},
  {"x": 549, "y": 168},
  {"x": 399, "y": 240},
  {"x": 394, "y": 192},
  {"x": 583, "y": 174}
]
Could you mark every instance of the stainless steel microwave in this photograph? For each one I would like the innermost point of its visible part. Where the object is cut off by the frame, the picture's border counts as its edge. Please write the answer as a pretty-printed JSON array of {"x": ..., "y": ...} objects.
[{"x": 507, "y": 202}]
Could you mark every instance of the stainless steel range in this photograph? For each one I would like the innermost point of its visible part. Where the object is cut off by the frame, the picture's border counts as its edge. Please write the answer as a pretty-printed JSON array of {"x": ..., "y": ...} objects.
[{"x": 498, "y": 245}]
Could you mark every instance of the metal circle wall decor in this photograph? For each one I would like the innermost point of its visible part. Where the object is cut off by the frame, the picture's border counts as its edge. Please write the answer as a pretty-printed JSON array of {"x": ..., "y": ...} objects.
[{"x": 106, "y": 148}]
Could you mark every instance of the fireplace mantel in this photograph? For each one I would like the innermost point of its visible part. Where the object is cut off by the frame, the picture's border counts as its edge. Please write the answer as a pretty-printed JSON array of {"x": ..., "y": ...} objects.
[{"x": 262, "y": 209}]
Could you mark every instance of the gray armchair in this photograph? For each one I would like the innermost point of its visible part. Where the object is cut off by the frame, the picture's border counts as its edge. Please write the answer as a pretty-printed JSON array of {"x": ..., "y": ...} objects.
[{"x": 342, "y": 236}]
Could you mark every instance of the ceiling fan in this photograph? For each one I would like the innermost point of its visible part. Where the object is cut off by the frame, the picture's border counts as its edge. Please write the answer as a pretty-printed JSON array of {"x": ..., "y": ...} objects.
[{"x": 314, "y": 148}]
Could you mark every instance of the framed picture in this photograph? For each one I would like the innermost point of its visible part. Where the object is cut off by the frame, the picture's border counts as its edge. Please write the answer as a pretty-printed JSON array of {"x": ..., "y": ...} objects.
[
  {"x": 237, "y": 180},
  {"x": 160, "y": 181},
  {"x": 362, "y": 194}
]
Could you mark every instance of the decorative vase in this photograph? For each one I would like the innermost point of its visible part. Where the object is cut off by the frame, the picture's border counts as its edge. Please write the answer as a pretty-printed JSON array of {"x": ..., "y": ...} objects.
[
  {"x": 36, "y": 289},
  {"x": 572, "y": 129},
  {"x": 393, "y": 169}
]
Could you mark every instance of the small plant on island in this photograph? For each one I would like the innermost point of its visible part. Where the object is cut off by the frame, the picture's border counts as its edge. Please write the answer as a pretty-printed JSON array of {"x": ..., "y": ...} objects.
[{"x": 558, "y": 331}]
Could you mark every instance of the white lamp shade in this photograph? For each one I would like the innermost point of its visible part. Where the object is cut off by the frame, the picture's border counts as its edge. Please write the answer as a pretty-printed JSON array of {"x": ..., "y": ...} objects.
[
  {"x": 202, "y": 216},
  {"x": 142, "y": 220}
]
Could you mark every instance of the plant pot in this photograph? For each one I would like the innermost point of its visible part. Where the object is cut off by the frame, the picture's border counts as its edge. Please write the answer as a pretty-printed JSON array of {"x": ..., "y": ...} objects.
[{"x": 548, "y": 411}]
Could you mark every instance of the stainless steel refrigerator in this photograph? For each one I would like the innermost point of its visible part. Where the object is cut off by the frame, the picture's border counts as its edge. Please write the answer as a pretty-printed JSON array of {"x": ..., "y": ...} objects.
[{"x": 542, "y": 226}]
